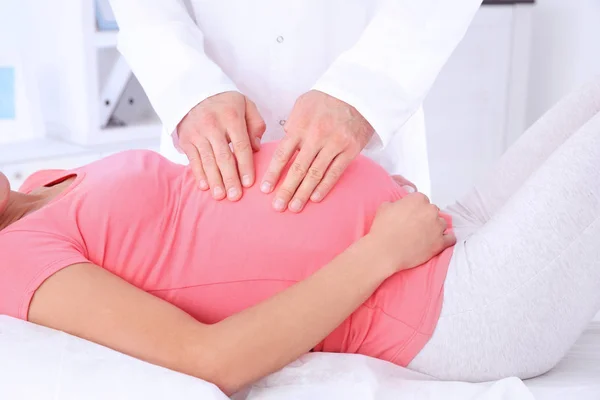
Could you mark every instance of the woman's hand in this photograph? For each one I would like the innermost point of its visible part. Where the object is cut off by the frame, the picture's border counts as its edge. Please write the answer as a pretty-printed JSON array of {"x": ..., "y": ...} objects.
[{"x": 410, "y": 231}]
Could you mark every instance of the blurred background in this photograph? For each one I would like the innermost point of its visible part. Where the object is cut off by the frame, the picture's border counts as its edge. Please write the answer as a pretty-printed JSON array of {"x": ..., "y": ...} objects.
[{"x": 67, "y": 98}]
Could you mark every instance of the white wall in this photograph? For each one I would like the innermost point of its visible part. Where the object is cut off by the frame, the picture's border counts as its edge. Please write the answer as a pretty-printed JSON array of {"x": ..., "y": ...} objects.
[
  {"x": 565, "y": 50},
  {"x": 16, "y": 42},
  {"x": 466, "y": 110}
]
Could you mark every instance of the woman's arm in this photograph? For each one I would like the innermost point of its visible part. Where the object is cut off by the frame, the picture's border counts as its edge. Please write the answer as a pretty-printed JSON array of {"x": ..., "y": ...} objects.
[{"x": 87, "y": 301}]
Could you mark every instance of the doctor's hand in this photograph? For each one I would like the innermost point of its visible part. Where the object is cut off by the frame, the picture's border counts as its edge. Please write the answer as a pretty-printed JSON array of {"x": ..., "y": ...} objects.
[
  {"x": 328, "y": 135},
  {"x": 205, "y": 134}
]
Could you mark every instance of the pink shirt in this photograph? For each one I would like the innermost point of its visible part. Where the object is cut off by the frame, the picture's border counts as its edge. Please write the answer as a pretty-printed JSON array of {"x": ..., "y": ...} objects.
[{"x": 143, "y": 218}]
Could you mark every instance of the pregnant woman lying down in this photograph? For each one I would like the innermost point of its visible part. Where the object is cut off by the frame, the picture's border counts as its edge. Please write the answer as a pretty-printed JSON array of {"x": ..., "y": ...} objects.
[{"x": 128, "y": 253}]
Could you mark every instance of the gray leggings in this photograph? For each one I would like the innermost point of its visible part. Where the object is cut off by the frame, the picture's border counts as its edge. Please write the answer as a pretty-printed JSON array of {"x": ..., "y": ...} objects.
[{"x": 524, "y": 281}]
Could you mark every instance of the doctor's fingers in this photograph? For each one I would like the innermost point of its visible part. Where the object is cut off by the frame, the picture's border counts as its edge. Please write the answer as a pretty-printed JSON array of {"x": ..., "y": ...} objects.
[
  {"x": 314, "y": 176},
  {"x": 196, "y": 164},
  {"x": 298, "y": 172},
  {"x": 242, "y": 150},
  {"x": 226, "y": 162},
  {"x": 209, "y": 164},
  {"x": 332, "y": 175},
  {"x": 255, "y": 124},
  {"x": 283, "y": 153}
]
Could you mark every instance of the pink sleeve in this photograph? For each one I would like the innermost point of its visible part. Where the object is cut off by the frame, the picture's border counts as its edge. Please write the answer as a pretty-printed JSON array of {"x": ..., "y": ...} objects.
[{"x": 28, "y": 259}]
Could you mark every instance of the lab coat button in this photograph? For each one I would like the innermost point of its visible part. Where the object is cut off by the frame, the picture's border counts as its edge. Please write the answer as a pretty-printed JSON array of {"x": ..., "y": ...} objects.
[
  {"x": 279, "y": 39},
  {"x": 282, "y": 122}
]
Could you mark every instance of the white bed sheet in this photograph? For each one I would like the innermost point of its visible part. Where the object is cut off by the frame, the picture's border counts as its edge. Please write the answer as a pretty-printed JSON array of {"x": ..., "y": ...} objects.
[
  {"x": 38, "y": 364},
  {"x": 352, "y": 377},
  {"x": 578, "y": 374}
]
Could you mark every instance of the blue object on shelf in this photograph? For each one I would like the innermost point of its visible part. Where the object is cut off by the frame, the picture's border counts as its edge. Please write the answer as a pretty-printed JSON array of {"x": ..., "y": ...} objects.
[
  {"x": 7, "y": 93},
  {"x": 105, "y": 19}
]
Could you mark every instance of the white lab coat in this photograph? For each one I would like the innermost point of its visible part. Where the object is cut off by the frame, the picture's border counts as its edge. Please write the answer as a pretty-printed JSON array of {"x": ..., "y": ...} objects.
[{"x": 380, "y": 56}]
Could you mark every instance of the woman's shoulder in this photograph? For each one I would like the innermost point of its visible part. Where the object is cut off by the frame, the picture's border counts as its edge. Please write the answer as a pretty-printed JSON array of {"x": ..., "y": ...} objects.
[
  {"x": 29, "y": 237},
  {"x": 123, "y": 162},
  {"x": 42, "y": 177},
  {"x": 39, "y": 178},
  {"x": 29, "y": 255}
]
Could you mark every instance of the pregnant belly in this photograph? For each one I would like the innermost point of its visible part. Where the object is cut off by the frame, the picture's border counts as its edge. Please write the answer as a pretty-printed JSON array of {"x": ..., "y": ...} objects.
[
  {"x": 228, "y": 256},
  {"x": 244, "y": 253}
]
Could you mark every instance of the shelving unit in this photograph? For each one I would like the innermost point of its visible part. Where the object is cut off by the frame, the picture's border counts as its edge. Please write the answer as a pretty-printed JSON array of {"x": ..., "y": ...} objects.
[
  {"x": 105, "y": 39},
  {"x": 72, "y": 64},
  {"x": 82, "y": 59}
]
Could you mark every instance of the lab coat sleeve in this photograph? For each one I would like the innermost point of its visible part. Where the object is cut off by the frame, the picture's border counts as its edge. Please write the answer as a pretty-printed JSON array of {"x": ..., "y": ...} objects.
[
  {"x": 388, "y": 72},
  {"x": 165, "y": 50}
]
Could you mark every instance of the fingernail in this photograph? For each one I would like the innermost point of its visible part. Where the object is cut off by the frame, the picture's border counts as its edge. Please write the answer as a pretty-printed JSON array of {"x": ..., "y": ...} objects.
[
  {"x": 316, "y": 196},
  {"x": 257, "y": 141},
  {"x": 246, "y": 180},
  {"x": 409, "y": 189},
  {"x": 265, "y": 187},
  {"x": 217, "y": 192},
  {"x": 232, "y": 193},
  {"x": 279, "y": 204},
  {"x": 203, "y": 185},
  {"x": 296, "y": 205}
]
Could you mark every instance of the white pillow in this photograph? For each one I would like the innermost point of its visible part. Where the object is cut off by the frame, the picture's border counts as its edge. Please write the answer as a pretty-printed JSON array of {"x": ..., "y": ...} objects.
[{"x": 40, "y": 363}]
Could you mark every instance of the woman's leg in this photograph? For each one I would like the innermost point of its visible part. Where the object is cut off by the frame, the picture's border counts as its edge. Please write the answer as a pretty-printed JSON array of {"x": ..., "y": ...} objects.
[
  {"x": 522, "y": 288},
  {"x": 524, "y": 157}
]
